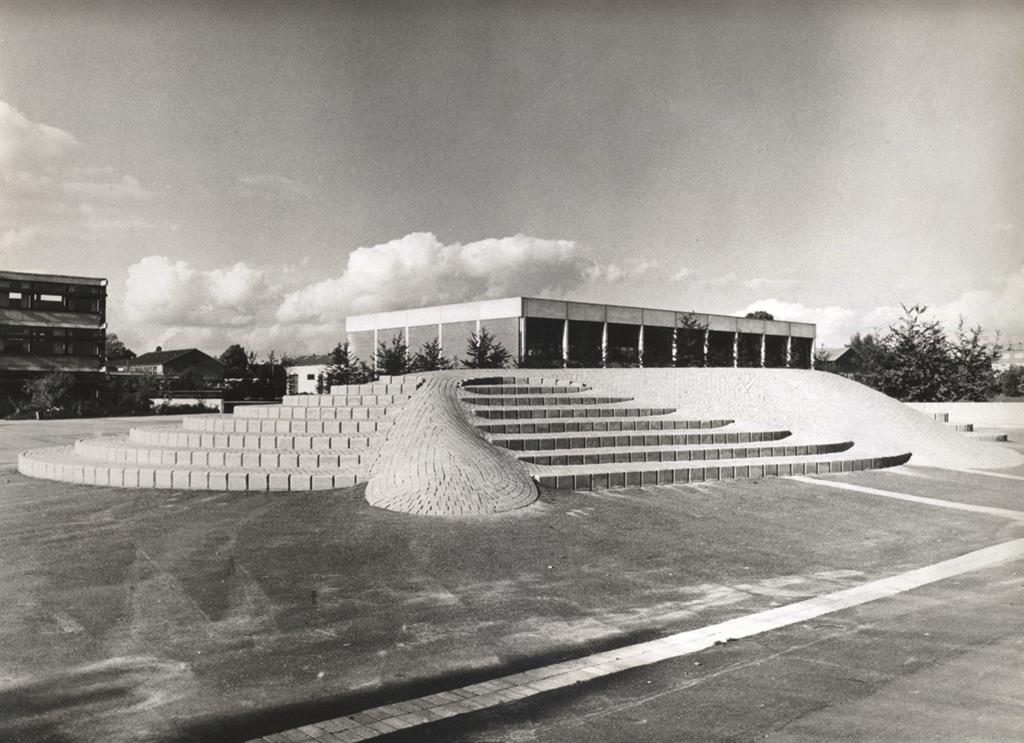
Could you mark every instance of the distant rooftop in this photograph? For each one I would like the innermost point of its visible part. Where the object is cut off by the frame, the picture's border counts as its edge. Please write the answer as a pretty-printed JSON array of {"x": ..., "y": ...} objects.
[{"x": 162, "y": 357}]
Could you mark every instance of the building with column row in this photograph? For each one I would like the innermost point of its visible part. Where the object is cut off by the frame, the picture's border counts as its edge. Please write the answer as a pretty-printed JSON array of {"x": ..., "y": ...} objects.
[{"x": 545, "y": 333}]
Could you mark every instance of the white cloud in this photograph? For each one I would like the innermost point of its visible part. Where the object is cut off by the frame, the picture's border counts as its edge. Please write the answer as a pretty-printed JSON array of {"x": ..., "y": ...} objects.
[
  {"x": 24, "y": 142},
  {"x": 51, "y": 203},
  {"x": 613, "y": 273},
  {"x": 419, "y": 270},
  {"x": 682, "y": 274},
  {"x": 169, "y": 293},
  {"x": 126, "y": 188},
  {"x": 767, "y": 284},
  {"x": 835, "y": 324},
  {"x": 999, "y": 308},
  {"x": 270, "y": 186}
]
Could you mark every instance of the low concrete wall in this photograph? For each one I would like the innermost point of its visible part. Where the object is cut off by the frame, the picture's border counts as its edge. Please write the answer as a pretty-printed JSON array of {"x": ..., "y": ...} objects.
[{"x": 981, "y": 414}]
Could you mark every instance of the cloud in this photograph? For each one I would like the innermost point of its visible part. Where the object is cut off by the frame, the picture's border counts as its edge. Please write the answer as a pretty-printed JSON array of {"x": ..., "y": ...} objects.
[
  {"x": 835, "y": 324},
  {"x": 24, "y": 142},
  {"x": 613, "y": 273},
  {"x": 52, "y": 204},
  {"x": 269, "y": 186},
  {"x": 126, "y": 188},
  {"x": 169, "y": 293},
  {"x": 767, "y": 284},
  {"x": 682, "y": 274},
  {"x": 998, "y": 308},
  {"x": 419, "y": 270}
]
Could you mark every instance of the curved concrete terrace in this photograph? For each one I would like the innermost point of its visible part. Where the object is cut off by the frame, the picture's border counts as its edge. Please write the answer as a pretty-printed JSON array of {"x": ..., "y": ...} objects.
[{"x": 436, "y": 461}]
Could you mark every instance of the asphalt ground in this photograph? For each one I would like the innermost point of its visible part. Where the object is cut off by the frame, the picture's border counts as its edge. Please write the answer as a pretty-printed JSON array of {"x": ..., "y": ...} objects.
[{"x": 167, "y": 615}]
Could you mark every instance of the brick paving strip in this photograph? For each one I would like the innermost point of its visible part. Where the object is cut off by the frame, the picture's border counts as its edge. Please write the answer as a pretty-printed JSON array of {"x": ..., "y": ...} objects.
[
  {"x": 388, "y": 718},
  {"x": 988, "y": 510},
  {"x": 994, "y": 474}
]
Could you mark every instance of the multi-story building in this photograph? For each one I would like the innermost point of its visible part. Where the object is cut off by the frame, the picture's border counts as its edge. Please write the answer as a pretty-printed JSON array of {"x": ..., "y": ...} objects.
[
  {"x": 51, "y": 323},
  {"x": 547, "y": 332}
]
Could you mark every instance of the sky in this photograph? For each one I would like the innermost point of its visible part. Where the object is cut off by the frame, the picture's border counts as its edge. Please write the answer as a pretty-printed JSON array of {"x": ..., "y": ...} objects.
[{"x": 247, "y": 172}]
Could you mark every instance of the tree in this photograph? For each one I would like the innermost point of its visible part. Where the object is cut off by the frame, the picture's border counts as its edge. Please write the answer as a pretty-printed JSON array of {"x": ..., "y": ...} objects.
[
  {"x": 1011, "y": 381},
  {"x": 236, "y": 360},
  {"x": 690, "y": 333},
  {"x": 430, "y": 358},
  {"x": 918, "y": 367},
  {"x": 393, "y": 360},
  {"x": 116, "y": 350},
  {"x": 483, "y": 352},
  {"x": 973, "y": 377},
  {"x": 760, "y": 315},
  {"x": 50, "y": 393},
  {"x": 343, "y": 369}
]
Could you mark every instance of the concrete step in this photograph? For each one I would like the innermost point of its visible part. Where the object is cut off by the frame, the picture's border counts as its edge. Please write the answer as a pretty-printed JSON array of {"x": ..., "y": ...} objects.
[
  {"x": 122, "y": 449},
  {"x": 315, "y": 412},
  {"x": 377, "y": 388},
  {"x": 286, "y": 442},
  {"x": 231, "y": 424},
  {"x": 514, "y": 389},
  {"x": 568, "y": 425},
  {"x": 988, "y": 435},
  {"x": 63, "y": 464},
  {"x": 618, "y": 454},
  {"x": 567, "y": 412},
  {"x": 512, "y": 401},
  {"x": 592, "y": 440},
  {"x": 344, "y": 401},
  {"x": 623, "y": 475},
  {"x": 961, "y": 427}
]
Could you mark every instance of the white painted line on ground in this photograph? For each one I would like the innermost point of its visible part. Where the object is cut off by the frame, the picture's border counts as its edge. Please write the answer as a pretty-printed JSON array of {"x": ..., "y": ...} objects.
[
  {"x": 390, "y": 717},
  {"x": 987, "y": 510},
  {"x": 993, "y": 474}
]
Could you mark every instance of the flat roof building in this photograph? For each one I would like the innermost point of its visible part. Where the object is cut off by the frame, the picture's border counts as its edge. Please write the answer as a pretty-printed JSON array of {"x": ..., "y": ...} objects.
[
  {"x": 546, "y": 333},
  {"x": 51, "y": 323}
]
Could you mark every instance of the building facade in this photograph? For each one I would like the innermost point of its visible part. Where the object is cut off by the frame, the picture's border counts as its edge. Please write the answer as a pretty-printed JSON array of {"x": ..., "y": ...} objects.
[
  {"x": 304, "y": 373},
  {"x": 544, "y": 333},
  {"x": 51, "y": 323}
]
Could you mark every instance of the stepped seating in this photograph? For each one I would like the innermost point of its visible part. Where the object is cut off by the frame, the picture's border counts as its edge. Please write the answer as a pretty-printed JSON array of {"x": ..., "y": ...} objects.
[
  {"x": 309, "y": 442},
  {"x": 968, "y": 429},
  {"x": 571, "y": 440}
]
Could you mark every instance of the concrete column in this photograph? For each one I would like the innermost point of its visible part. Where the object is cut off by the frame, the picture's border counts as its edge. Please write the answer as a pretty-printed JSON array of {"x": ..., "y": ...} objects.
[
  {"x": 440, "y": 339},
  {"x": 522, "y": 339},
  {"x": 762, "y": 349},
  {"x": 813, "y": 344},
  {"x": 565, "y": 343},
  {"x": 789, "y": 350},
  {"x": 604, "y": 345},
  {"x": 478, "y": 328},
  {"x": 736, "y": 348},
  {"x": 373, "y": 355},
  {"x": 640, "y": 345},
  {"x": 707, "y": 344},
  {"x": 674, "y": 350}
]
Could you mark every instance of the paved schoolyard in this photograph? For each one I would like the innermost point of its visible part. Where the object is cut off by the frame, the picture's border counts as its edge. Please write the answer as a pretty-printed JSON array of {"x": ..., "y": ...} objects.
[{"x": 171, "y": 615}]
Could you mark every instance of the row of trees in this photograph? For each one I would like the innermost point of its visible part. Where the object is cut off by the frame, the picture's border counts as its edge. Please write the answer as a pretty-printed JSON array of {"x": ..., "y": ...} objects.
[
  {"x": 394, "y": 358},
  {"x": 916, "y": 361}
]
